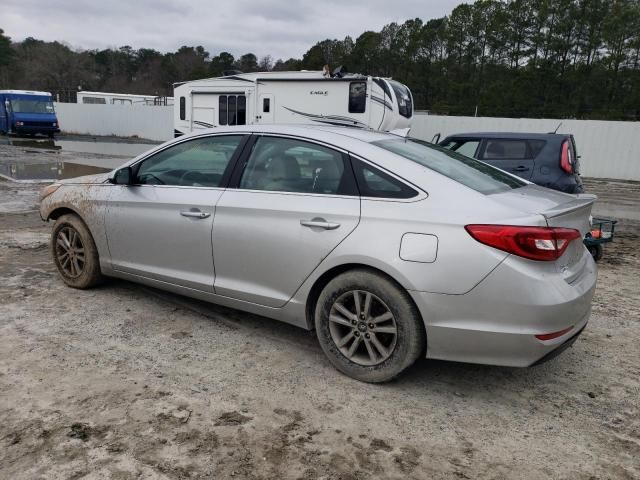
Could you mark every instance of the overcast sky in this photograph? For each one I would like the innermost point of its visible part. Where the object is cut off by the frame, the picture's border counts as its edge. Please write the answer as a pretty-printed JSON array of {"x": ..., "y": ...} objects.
[{"x": 281, "y": 28}]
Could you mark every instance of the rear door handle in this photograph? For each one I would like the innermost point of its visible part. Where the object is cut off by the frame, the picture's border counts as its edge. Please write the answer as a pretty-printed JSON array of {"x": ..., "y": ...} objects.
[
  {"x": 319, "y": 223},
  {"x": 521, "y": 168},
  {"x": 195, "y": 214}
]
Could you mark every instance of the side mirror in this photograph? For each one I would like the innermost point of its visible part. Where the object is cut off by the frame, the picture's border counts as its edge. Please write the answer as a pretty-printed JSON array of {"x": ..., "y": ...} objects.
[{"x": 124, "y": 176}]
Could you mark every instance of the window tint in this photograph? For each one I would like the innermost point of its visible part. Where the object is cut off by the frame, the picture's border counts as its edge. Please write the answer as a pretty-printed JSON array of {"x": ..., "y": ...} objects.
[
  {"x": 266, "y": 105},
  {"x": 289, "y": 165},
  {"x": 232, "y": 110},
  {"x": 183, "y": 108},
  {"x": 512, "y": 149},
  {"x": 375, "y": 183},
  {"x": 357, "y": 97},
  {"x": 196, "y": 163},
  {"x": 467, "y": 171}
]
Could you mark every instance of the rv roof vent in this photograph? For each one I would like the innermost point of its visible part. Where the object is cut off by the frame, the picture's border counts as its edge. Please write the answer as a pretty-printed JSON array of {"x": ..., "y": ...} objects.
[
  {"x": 227, "y": 73},
  {"x": 339, "y": 72}
]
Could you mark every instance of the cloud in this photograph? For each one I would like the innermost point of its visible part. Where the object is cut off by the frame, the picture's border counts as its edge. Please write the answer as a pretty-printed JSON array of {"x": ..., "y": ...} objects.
[{"x": 280, "y": 28}]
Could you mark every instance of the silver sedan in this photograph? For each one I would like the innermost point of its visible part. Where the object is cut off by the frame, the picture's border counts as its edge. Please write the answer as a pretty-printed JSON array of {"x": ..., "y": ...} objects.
[{"x": 391, "y": 248}]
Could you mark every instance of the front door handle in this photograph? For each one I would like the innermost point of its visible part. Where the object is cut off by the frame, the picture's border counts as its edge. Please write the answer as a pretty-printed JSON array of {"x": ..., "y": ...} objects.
[
  {"x": 521, "y": 168},
  {"x": 195, "y": 214},
  {"x": 319, "y": 223}
]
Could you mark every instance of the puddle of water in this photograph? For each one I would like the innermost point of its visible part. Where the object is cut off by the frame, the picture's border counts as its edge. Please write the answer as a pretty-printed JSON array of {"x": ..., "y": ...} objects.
[
  {"x": 128, "y": 150},
  {"x": 48, "y": 171},
  {"x": 113, "y": 148}
]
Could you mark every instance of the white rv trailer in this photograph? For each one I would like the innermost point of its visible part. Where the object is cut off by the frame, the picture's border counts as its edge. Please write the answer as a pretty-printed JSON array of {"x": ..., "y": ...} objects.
[
  {"x": 103, "y": 98},
  {"x": 292, "y": 97}
]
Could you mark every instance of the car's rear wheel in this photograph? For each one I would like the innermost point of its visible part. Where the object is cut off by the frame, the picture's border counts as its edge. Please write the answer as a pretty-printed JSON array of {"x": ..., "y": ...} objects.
[
  {"x": 74, "y": 252},
  {"x": 368, "y": 326}
]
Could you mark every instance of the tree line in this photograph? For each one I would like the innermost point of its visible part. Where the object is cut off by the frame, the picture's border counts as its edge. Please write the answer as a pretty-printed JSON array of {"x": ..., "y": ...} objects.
[{"x": 513, "y": 58}]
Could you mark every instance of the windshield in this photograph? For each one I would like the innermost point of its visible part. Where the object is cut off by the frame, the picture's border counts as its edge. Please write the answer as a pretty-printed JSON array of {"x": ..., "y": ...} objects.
[
  {"x": 405, "y": 103},
  {"x": 31, "y": 105},
  {"x": 470, "y": 172}
]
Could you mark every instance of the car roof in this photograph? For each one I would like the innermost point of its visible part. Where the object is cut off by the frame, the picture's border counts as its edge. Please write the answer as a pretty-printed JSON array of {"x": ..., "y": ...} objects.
[
  {"x": 313, "y": 131},
  {"x": 514, "y": 135}
]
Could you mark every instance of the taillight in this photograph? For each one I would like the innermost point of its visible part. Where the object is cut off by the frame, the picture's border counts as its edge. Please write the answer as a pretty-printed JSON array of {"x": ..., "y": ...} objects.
[
  {"x": 535, "y": 243},
  {"x": 565, "y": 158}
]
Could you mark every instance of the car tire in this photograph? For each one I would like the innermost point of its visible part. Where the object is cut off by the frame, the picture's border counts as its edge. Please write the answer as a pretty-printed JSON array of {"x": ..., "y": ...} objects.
[
  {"x": 596, "y": 252},
  {"x": 379, "y": 355},
  {"x": 74, "y": 253}
]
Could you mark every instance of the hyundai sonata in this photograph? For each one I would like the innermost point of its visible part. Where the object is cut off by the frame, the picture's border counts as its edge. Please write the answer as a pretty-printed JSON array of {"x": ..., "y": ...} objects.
[{"x": 389, "y": 247}]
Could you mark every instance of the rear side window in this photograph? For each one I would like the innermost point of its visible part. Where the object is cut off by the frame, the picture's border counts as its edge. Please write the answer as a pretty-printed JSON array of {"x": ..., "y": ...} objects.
[
  {"x": 357, "y": 97},
  {"x": 279, "y": 164},
  {"x": 373, "y": 182},
  {"x": 508, "y": 149},
  {"x": 470, "y": 172}
]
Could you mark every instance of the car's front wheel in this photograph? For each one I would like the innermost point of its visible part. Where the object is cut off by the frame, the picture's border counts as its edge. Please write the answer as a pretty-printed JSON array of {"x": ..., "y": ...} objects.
[
  {"x": 368, "y": 326},
  {"x": 74, "y": 252}
]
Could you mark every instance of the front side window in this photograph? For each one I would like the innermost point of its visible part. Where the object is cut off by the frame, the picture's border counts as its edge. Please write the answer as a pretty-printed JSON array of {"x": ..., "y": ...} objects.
[
  {"x": 200, "y": 162},
  {"x": 289, "y": 165},
  {"x": 470, "y": 172},
  {"x": 357, "y": 97},
  {"x": 464, "y": 147},
  {"x": 232, "y": 110}
]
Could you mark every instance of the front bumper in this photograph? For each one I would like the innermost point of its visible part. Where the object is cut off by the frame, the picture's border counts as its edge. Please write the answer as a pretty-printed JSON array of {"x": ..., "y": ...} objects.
[
  {"x": 36, "y": 129},
  {"x": 496, "y": 322}
]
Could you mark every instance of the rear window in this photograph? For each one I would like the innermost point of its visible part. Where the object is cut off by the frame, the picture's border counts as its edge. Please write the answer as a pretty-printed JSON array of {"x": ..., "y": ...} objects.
[
  {"x": 512, "y": 149},
  {"x": 472, "y": 173}
]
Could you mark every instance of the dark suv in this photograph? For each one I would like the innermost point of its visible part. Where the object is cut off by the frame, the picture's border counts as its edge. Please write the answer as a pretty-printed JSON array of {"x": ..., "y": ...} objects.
[{"x": 546, "y": 159}]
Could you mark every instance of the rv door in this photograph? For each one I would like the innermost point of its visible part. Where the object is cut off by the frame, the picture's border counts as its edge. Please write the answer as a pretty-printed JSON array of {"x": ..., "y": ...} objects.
[{"x": 266, "y": 109}]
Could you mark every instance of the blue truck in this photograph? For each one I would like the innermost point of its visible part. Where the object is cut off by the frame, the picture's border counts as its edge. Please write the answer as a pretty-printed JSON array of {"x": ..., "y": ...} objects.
[{"x": 24, "y": 112}]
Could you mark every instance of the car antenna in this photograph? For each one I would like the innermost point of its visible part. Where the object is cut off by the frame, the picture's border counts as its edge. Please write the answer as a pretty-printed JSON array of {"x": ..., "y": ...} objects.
[{"x": 557, "y": 128}]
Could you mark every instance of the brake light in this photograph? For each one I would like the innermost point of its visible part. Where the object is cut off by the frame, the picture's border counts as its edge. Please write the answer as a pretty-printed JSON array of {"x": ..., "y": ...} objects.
[
  {"x": 534, "y": 243},
  {"x": 565, "y": 158}
]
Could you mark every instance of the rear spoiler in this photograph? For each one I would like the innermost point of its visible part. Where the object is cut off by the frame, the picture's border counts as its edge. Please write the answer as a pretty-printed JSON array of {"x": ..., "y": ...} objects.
[{"x": 583, "y": 200}]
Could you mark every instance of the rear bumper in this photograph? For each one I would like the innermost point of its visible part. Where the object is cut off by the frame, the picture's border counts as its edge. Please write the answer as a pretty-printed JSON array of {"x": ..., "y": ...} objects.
[{"x": 496, "y": 323}]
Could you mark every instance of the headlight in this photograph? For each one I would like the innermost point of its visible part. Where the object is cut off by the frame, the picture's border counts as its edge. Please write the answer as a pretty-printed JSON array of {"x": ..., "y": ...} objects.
[
  {"x": 19, "y": 124},
  {"x": 48, "y": 190},
  {"x": 55, "y": 124}
]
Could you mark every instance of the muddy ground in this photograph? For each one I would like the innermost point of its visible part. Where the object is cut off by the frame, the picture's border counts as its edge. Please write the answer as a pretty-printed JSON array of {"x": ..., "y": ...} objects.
[{"x": 127, "y": 382}]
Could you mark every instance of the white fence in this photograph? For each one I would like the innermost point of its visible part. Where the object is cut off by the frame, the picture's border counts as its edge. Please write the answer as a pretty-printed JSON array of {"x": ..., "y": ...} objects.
[
  {"x": 607, "y": 149},
  {"x": 154, "y": 123}
]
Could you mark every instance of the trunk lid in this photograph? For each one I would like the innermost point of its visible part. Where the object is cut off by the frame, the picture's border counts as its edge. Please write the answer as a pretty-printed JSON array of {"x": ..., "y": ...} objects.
[{"x": 559, "y": 210}]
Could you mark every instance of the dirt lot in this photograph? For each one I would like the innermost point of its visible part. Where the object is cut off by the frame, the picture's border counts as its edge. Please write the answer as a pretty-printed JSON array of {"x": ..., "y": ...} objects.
[{"x": 125, "y": 382}]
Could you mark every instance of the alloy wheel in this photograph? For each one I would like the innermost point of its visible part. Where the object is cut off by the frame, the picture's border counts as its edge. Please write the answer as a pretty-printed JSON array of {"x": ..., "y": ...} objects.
[
  {"x": 363, "y": 327},
  {"x": 69, "y": 252}
]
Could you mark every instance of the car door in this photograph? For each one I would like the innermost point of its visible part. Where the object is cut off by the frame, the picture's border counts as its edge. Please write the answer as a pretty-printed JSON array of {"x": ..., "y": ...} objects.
[
  {"x": 295, "y": 201},
  {"x": 514, "y": 155},
  {"x": 160, "y": 227}
]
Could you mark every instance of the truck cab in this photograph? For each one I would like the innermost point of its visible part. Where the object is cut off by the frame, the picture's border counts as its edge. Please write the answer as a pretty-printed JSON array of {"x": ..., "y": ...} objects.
[{"x": 24, "y": 112}]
